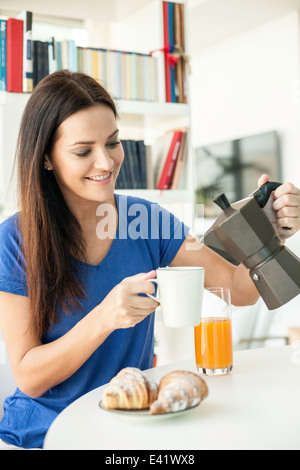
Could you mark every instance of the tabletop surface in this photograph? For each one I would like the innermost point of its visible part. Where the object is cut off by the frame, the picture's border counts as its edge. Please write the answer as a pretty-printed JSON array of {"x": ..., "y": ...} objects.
[{"x": 257, "y": 406}]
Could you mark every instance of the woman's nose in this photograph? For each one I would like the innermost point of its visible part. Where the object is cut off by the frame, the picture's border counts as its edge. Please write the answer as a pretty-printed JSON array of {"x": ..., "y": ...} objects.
[{"x": 103, "y": 161}]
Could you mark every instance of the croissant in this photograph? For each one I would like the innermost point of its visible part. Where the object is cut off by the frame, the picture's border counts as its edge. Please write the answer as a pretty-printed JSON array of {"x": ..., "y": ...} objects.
[
  {"x": 177, "y": 391},
  {"x": 130, "y": 389}
]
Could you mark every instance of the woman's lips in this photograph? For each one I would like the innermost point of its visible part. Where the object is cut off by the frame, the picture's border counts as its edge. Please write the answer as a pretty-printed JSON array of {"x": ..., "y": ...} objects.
[{"x": 100, "y": 179}]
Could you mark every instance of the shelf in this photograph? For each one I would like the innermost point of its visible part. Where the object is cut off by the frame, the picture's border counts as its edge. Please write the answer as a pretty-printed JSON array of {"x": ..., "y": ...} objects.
[
  {"x": 162, "y": 197},
  {"x": 152, "y": 108},
  {"x": 144, "y": 108},
  {"x": 13, "y": 98}
]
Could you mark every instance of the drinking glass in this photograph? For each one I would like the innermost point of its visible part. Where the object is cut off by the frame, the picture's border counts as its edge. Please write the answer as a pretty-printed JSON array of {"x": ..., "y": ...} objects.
[{"x": 213, "y": 336}]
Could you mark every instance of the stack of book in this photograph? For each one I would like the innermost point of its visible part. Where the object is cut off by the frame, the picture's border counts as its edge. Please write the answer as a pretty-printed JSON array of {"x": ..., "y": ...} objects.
[
  {"x": 159, "y": 166},
  {"x": 24, "y": 62},
  {"x": 134, "y": 171},
  {"x": 128, "y": 75},
  {"x": 174, "y": 47}
]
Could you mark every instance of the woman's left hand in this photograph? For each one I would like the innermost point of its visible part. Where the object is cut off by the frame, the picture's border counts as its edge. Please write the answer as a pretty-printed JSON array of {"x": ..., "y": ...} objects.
[{"x": 283, "y": 208}]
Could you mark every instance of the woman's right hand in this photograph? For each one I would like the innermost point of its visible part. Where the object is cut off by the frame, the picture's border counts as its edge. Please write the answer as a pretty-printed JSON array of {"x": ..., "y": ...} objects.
[{"x": 123, "y": 307}]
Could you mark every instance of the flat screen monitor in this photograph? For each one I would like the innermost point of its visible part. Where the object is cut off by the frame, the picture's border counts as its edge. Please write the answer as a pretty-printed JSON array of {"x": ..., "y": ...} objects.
[{"x": 234, "y": 166}]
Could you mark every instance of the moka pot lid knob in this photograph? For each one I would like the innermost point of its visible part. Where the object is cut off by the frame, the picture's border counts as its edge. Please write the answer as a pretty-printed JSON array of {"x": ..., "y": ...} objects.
[{"x": 222, "y": 201}]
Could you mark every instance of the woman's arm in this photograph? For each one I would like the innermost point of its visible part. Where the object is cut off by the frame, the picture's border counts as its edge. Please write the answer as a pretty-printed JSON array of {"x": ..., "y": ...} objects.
[
  {"x": 38, "y": 367},
  {"x": 218, "y": 271}
]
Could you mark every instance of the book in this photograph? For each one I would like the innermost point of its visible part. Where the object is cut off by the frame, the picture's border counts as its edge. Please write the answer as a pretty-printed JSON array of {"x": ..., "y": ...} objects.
[
  {"x": 134, "y": 77},
  {"x": 26, "y": 17},
  {"x": 52, "y": 55},
  {"x": 170, "y": 160},
  {"x": 109, "y": 71},
  {"x": 142, "y": 162},
  {"x": 174, "y": 43},
  {"x": 72, "y": 56},
  {"x": 152, "y": 72},
  {"x": 134, "y": 169},
  {"x": 115, "y": 64},
  {"x": 132, "y": 163},
  {"x": 141, "y": 76},
  {"x": 166, "y": 48},
  {"x": 125, "y": 78},
  {"x": 87, "y": 61},
  {"x": 119, "y": 73},
  {"x": 159, "y": 90},
  {"x": 182, "y": 24},
  {"x": 103, "y": 66},
  {"x": 14, "y": 55},
  {"x": 45, "y": 59},
  {"x": 178, "y": 44},
  {"x": 40, "y": 61},
  {"x": 95, "y": 64},
  {"x": 171, "y": 49},
  {"x": 136, "y": 163},
  {"x": 2, "y": 55},
  {"x": 159, "y": 152},
  {"x": 128, "y": 70},
  {"x": 64, "y": 47},
  {"x": 181, "y": 161},
  {"x": 149, "y": 168},
  {"x": 128, "y": 166},
  {"x": 58, "y": 54}
]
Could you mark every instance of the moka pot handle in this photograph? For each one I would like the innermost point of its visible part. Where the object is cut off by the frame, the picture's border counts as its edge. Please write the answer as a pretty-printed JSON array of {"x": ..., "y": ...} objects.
[{"x": 263, "y": 193}]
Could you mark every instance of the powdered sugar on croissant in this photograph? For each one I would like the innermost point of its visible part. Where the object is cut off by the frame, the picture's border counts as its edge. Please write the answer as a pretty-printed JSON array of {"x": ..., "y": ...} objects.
[
  {"x": 130, "y": 389},
  {"x": 177, "y": 391}
]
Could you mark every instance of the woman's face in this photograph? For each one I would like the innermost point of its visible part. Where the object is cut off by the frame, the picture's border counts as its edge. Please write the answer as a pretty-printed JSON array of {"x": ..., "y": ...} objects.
[{"x": 87, "y": 156}]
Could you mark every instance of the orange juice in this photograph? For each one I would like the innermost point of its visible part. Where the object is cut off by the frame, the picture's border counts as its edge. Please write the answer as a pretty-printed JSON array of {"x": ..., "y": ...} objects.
[{"x": 213, "y": 343}]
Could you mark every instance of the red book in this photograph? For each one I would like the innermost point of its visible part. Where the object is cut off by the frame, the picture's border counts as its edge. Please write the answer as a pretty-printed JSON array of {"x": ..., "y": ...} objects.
[
  {"x": 14, "y": 55},
  {"x": 166, "y": 45},
  {"x": 167, "y": 172}
]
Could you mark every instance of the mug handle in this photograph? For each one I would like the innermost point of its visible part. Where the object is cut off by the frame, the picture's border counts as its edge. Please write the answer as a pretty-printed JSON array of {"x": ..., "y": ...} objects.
[{"x": 150, "y": 295}]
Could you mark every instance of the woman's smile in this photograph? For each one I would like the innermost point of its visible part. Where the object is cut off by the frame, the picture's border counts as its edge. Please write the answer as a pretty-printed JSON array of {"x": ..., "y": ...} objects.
[{"x": 102, "y": 179}]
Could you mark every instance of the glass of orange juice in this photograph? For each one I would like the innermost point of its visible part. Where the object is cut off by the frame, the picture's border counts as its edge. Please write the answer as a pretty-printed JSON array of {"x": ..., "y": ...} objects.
[{"x": 213, "y": 336}]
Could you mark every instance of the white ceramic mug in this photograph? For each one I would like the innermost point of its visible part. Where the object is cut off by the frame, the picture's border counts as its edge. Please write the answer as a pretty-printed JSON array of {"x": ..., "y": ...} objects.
[{"x": 180, "y": 295}]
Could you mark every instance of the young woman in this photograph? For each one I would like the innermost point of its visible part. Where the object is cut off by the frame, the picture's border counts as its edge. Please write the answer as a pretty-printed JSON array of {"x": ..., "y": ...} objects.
[{"x": 71, "y": 312}]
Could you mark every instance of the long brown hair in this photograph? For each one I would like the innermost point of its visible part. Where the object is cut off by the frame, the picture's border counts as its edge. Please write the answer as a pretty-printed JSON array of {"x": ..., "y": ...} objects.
[{"x": 50, "y": 232}]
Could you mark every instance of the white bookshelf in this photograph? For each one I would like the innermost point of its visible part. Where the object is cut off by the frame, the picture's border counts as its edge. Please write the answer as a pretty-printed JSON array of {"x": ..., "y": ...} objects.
[
  {"x": 153, "y": 108},
  {"x": 129, "y": 107},
  {"x": 138, "y": 119}
]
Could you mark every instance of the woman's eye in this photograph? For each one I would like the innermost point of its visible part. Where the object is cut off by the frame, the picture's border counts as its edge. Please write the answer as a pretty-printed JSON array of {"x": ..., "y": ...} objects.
[
  {"x": 84, "y": 153},
  {"x": 112, "y": 145}
]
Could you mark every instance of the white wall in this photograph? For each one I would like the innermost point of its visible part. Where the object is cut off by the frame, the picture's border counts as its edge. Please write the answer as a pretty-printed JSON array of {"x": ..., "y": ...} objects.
[{"x": 245, "y": 86}]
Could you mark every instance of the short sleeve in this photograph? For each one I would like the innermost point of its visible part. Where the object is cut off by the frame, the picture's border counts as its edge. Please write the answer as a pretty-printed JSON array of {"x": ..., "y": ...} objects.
[
  {"x": 172, "y": 233},
  {"x": 12, "y": 265}
]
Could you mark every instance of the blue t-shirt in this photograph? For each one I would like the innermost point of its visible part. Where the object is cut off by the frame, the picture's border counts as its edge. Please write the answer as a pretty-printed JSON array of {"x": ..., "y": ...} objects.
[{"x": 147, "y": 237}]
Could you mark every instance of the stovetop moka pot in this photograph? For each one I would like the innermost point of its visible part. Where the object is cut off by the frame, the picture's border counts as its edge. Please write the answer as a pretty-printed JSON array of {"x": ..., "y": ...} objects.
[{"x": 244, "y": 231}]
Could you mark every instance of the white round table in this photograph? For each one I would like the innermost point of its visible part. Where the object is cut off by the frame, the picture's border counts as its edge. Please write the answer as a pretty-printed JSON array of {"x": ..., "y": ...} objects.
[{"x": 257, "y": 406}]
